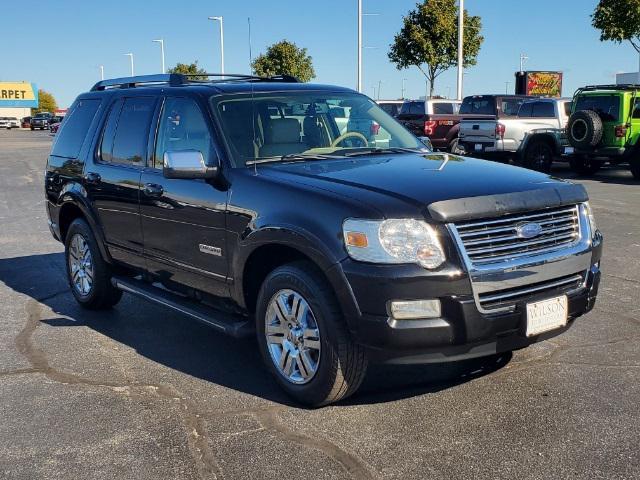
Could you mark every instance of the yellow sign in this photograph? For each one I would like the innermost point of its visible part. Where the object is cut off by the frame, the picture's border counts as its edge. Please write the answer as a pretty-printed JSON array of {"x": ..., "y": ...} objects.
[{"x": 18, "y": 94}]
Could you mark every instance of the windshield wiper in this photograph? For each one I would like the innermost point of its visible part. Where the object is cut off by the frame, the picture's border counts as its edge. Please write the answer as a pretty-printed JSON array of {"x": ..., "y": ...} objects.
[
  {"x": 293, "y": 157},
  {"x": 384, "y": 151}
]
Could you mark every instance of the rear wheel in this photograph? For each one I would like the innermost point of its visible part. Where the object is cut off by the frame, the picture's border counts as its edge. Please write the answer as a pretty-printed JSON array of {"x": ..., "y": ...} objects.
[
  {"x": 455, "y": 148},
  {"x": 585, "y": 166},
  {"x": 303, "y": 339},
  {"x": 88, "y": 274},
  {"x": 538, "y": 156},
  {"x": 635, "y": 168}
]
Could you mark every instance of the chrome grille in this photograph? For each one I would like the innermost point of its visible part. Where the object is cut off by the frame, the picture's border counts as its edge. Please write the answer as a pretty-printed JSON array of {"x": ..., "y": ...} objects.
[{"x": 496, "y": 240}]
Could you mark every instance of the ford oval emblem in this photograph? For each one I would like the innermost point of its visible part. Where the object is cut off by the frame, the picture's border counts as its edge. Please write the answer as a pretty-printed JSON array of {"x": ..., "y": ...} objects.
[{"x": 528, "y": 230}]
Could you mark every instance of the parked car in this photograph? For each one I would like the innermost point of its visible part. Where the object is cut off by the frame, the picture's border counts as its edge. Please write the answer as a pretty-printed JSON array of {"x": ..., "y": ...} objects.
[
  {"x": 41, "y": 121},
  {"x": 54, "y": 127},
  {"x": 4, "y": 123},
  {"x": 26, "y": 122},
  {"x": 605, "y": 127},
  {"x": 534, "y": 136},
  {"x": 14, "y": 122},
  {"x": 239, "y": 203},
  {"x": 392, "y": 107},
  {"x": 437, "y": 119}
]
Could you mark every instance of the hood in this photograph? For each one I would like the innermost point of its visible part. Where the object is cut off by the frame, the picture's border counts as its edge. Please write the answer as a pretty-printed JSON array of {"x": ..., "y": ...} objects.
[{"x": 415, "y": 179}]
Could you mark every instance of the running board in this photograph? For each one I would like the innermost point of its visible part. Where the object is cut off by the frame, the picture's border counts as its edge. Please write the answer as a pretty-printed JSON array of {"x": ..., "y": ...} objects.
[{"x": 235, "y": 326}]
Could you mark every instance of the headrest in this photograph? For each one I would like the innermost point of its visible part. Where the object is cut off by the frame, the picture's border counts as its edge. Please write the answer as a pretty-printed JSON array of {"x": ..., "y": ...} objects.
[{"x": 285, "y": 130}]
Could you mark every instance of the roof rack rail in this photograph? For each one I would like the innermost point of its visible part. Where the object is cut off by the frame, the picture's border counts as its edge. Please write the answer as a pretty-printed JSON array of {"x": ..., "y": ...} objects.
[
  {"x": 178, "y": 79},
  {"x": 623, "y": 86}
]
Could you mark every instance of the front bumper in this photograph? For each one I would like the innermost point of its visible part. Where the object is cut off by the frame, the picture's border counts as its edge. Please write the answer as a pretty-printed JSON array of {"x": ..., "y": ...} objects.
[{"x": 462, "y": 331}]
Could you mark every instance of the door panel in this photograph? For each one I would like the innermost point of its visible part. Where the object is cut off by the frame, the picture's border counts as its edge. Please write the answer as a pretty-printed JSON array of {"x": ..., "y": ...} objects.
[{"x": 183, "y": 221}]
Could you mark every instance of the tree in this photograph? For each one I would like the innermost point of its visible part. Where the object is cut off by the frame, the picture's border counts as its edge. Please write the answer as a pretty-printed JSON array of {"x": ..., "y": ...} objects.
[
  {"x": 284, "y": 58},
  {"x": 46, "y": 102},
  {"x": 618, "y": 20},
  {"x": 190, "y": 69},
  {"x": 428, "y": 39}
]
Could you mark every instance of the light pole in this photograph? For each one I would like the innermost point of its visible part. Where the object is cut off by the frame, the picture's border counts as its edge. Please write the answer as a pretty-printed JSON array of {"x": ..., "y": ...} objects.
[
  {"x": 130, "y": 55},
  {"x": 460, "y": 46},
  {"x": 523, "y": 59},
  {"x": 379, "y": 86},
  {"x": 161, "y": 42},
  {"x": 359, "y": 45},
  {"x": 101, "y": 67},
  {"x": 219, "y": 19},
  {"x": 506, "y": 87},
  {"x": 403, "y": 87}
]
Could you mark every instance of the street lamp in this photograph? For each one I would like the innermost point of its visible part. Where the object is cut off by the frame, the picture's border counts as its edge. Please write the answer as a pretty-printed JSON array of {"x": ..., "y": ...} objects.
[
  {"x": 219, "y": 19},
  {"x": 403, "y": 88},
  {"x": 360, "y": 47},
  {"x": 101, "y": 67},
  {"x": 523, "y": 59},
  {"x": 130, "y": 55},
  {"x": 460, "y": 46},
  {"x": 161, "y": 42}
]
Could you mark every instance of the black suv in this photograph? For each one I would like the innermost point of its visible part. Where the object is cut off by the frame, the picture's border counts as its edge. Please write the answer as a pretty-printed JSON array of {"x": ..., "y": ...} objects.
[{"x": 258, "y": 206}]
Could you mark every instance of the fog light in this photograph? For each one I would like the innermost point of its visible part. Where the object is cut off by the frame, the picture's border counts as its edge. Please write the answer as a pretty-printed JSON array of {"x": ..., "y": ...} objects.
[{"x": 415, "y": 309}]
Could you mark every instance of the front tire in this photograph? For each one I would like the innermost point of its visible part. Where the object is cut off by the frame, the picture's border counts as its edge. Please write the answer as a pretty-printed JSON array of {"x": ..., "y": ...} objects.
[
  {"x": 303, "y": 338},
  {"x": 89, "y": 276}
]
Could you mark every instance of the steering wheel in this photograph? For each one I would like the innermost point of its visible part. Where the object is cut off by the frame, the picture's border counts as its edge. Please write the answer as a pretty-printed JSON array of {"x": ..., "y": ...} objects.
[{"x": 346, "y": 135}]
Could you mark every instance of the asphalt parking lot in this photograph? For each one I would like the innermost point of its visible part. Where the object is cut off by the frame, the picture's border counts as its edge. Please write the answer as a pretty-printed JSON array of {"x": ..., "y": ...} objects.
[{"x": 142, "y": 393}]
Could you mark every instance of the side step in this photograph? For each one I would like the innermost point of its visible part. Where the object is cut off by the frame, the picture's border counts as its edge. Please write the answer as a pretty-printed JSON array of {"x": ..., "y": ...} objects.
[{"x": 235, "y": 326}]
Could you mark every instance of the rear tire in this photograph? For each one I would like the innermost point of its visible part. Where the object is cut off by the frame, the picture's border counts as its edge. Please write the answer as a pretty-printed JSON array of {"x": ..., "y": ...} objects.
[
  {"x": 341, "y": 364},
  {"x": 455, "y": 148},
  {"x": 635, "y": 168},
  {"x": 585, "y": 166},
  {"x": 538, "y": 156},
  {"x": 89, "y": 276}
]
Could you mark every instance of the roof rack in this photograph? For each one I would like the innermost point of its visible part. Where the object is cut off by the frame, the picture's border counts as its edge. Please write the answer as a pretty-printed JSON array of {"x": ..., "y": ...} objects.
[
  {"x": 624, "y": 86},
  {"x": 178, "y": 79}
]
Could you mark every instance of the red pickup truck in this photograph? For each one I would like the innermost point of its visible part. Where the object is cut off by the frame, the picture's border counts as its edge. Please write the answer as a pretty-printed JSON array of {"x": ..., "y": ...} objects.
[{"x": 437, "y": 119}]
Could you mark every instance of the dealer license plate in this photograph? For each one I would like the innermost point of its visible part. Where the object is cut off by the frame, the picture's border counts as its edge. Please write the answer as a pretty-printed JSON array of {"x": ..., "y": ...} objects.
[
  {"x": 568, "y": 150},
  {"x": 546, "y": 315}
]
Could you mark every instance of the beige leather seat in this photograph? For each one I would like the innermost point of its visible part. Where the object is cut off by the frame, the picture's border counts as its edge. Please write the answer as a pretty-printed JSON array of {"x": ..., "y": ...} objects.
[{"x": 283, "y": 138}]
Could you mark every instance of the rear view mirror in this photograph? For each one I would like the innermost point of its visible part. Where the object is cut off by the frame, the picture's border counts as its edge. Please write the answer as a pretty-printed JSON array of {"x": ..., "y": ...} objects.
[{"x": 187, "y": 164}]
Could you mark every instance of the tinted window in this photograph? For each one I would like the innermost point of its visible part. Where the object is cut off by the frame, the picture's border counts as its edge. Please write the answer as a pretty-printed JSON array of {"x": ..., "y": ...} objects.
[
  {"x": 567, "y": 108},
  {"x": 526, "y": 110},
  {"x": 132, "y": 131},
  {"x": 543, "y": 110},
  {"x": 636, "y": 108},
  {"x": 106, "y": 146},
  {"x": 76, "y": 125},
  {"x": 510, "y": 106},
  {"x": 412, "y": 108},
  {"x": 390, "y": 108},
  {"x": 182, "y": 127},
  {"x": 478, "y": 105},
  {"x": 443, "y": 108},
  {"x": 607, "y": 106}
]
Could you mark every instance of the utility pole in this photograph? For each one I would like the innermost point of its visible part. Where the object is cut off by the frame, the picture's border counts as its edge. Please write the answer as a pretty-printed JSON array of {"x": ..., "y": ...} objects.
[
  {"x": 460, "y": 46},
  {"x": 161, "y": 42},
  {"x": 130, "y": 55},
  {"x": 379, "y": 85},
  {"x": 219, "y": 19}
]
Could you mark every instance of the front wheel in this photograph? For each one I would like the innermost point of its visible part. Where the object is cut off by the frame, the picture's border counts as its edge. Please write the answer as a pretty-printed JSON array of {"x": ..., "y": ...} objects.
[
  {"x": 303, "y": 338},
  {"x": 585, "y": 166},
  {"x": 88, "y": 274}
]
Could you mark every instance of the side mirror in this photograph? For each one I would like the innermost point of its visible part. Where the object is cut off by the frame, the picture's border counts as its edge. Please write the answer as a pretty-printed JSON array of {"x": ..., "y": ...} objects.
[
  {"x": 426, "y": 141},
  {"x": 187, "y": 164}
]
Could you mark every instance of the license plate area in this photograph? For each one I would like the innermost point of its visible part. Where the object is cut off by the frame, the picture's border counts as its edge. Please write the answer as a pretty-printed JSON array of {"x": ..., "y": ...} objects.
[
  {"x": 478, "y": 147},
  {"x": 546, "y": 315}
]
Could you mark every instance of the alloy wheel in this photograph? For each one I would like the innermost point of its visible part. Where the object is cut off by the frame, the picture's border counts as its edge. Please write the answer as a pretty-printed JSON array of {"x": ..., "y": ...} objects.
[{"x": 80, "y": 265}]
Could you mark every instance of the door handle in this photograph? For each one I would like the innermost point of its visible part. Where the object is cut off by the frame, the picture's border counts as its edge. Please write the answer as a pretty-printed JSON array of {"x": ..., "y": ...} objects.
[
  {"x": 92, "y": 178},
  {"x": 153, "y": 190}
]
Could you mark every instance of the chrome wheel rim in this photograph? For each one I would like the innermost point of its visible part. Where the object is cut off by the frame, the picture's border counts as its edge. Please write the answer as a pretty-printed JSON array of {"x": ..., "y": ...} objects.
[
  {"x": 293, "y": 337},
  {"x": 80, "y": 265}
]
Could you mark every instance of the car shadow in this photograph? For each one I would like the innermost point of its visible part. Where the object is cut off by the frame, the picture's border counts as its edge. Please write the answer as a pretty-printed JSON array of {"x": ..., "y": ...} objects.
[
  {"x": 179, "y": 343},
  {"x": 613, "y": 174}
]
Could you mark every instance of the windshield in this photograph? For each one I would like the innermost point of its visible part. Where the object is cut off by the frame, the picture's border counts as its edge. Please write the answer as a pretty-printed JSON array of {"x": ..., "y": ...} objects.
[
  {"x": 607, "y": 106},
  {"x": 270, "y": 126}
]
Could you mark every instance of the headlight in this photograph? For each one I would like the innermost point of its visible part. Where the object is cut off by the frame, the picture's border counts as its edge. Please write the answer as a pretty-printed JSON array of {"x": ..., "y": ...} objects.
[
  {"x": 393, "y": 241},
  {"x": 592, "y": 220}
]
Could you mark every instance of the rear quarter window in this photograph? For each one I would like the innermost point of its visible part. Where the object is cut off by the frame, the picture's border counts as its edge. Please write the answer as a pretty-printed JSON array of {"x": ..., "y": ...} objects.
[
  {"x": 606, "y": 106},
  {"x": 74, "y": 128}
]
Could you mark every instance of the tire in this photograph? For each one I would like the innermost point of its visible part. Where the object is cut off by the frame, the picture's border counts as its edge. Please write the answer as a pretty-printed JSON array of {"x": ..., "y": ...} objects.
[
  {"x": 585, "y": 166},
  {"x": 584, "y": 129},
  {"x": 538, "y": 156},
  {"x": 341, "y": 364},
  {"x": 32, "y": 129},
  {"x": 100, "y": 293},
  {"x": 455, "y": 148},
  {"x": 634, "y": 166}
]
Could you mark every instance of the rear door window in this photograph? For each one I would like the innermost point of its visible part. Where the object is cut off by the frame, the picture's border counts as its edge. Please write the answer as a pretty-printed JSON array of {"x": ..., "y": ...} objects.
[
  {"x": 526, "y": 110},
  {"x": 510, "y": 106},
  {"x": 443, "y": 108},
  {"x": 478, "y": 106},
  {"x": 543, "y": 110},
  {"x": 412, "y": 108},
  {"x": 129, "y": 144},
  {"x": 606, "y": 106},
  {"x": 76, "y": 125}
]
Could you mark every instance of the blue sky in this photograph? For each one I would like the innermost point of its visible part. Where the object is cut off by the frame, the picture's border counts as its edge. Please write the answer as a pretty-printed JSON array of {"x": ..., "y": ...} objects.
[{"x": 77, "y": 36}]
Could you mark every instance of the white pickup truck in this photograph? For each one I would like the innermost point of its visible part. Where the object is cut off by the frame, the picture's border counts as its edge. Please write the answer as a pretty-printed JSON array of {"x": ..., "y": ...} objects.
[{"x": 529, "y": 129}]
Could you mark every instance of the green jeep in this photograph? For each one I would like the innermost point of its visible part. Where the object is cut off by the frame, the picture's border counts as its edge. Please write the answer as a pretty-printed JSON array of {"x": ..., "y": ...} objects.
[{"x": 605, "y": 126}]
